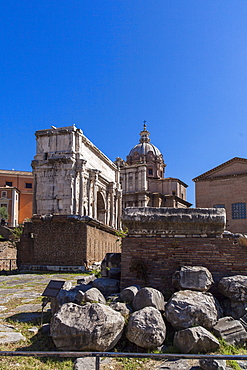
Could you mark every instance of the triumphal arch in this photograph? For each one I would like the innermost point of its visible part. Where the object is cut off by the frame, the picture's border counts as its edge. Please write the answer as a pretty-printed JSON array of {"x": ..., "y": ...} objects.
[{"x": 73, "y": 177}]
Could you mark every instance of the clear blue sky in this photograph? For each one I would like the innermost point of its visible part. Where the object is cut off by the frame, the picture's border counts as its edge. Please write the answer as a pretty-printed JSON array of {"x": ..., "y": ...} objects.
[{"x": 107, "y": 65}]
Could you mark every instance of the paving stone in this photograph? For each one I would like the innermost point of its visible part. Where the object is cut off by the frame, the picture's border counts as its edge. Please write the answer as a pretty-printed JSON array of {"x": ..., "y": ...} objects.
[
  {"x": 34, "y": 329},
  {"x": 179, "y": 365},
  {"x": 5, "y": 299},
  {"x": 28, "y": 308},
  {"x": 88, "y": 363},
  {"x": 36, "y": 284},
  {"x": 10, "y": 337},
  {"x": 25, "y": 294},
  {"x": 17, "y": 282},
  {"x": 9, "y": 292},
  {"x": 6, "y": 328},
  {"x": 28, "y": 300}
]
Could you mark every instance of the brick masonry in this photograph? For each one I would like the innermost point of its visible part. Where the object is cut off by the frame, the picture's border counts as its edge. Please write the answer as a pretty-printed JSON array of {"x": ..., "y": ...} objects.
[
  {"x": 224, "y": 185},
  {"x": 65, "y": 241},
  {"x": 163, "y": 256},
  {"x": 159, "y": 241}
]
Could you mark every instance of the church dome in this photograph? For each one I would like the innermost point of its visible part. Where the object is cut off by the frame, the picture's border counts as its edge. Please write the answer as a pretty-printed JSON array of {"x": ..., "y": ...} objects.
[{"x": 143, "y": 148}]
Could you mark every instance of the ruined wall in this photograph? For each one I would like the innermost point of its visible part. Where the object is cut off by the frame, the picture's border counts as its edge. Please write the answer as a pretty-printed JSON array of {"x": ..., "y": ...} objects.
[
  {"x": 159, "y": 241},
  {"x": 65, "y": 241},
  {"x": 162, "y": 256},
  {"x": 7, "y": 256}
]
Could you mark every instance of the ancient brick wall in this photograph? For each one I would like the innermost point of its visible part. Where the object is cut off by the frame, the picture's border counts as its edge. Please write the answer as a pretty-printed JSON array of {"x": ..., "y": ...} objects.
[
  {"x": 99, "y": 243},
  {"x": 59, "y": 242},
  {"x": 65, "y": 241},
  {"x": 7, "y": 256},
  {"x": 161, "y": 257},
  {"x": 159, "y": 241}
]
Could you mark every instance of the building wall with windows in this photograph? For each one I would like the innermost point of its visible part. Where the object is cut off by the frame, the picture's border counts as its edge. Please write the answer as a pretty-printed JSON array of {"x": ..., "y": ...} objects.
[
  {"x": 16, "y": 194},
  {"x": 225, "y": 186}
]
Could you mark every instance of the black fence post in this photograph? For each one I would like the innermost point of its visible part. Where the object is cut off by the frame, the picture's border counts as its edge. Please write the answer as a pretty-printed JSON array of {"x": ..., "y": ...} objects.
[{"x": 97, "y": 363}]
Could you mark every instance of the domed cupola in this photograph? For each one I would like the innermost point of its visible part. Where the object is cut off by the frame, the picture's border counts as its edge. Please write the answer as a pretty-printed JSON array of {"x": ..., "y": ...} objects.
[{"x": 139, "y": 153}]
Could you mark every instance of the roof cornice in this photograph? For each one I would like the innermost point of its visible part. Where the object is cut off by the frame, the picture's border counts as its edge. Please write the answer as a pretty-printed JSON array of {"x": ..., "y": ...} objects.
[{"x": 222, "y": 165}]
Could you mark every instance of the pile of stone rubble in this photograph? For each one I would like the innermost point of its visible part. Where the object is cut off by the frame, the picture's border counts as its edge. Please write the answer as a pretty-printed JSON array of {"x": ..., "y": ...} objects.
[{"x": 94, "y": 315}]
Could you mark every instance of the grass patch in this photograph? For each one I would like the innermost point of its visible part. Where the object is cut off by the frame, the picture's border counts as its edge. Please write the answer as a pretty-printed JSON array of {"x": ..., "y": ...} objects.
[
  {"x": 229, "y": 349},
  {"x": 35, "y": 363},
  {"x": 33, "y": 342},
  {"x": 129, "y": 364}
]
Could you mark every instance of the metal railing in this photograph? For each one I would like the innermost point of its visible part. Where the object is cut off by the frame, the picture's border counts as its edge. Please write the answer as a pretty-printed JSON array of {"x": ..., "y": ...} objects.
[
  {"x": 8, "y": 264},
  {"x": 98, "y": 355}
]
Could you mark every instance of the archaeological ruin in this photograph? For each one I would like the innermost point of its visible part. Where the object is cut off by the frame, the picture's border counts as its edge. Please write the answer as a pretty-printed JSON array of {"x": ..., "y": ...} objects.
[
  {"x": 77, "y": 203},
  {"x": 161, "y": 240}
]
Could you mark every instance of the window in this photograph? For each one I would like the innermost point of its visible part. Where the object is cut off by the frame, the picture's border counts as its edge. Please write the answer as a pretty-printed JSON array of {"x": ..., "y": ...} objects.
[
  {"x": 4, "y": 205},
  {"x": 219, "y": 206},
  {"x": 9, "y": 183},
  {"x": 150, "y": 171},
  {"x": 29, "y": 185},
  {"x": 4, "y": 194},
  {"x": 238, "y": 211}
]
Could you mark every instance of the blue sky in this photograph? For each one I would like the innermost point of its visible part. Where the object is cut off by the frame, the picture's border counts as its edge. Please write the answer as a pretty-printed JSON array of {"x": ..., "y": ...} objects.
[{"x": 107, "y": 65}]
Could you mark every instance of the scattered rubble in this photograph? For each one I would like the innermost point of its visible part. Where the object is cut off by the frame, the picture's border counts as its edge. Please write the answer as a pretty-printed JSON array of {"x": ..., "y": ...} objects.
[
  {"x": 188, "y": 308},
  {"x": 192, "y": 277},
  {"x": 87, "y": 318},
  {"x": 195, "y": 340},
  {"x": 92, "y": 327}
]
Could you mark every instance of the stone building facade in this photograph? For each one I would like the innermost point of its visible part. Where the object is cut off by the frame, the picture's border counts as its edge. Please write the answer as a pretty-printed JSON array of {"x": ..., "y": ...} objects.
[
  {"x": 225, "y": 186},
  {"x": 142, "y": 178},
  {"x": 73, "y": 177}
]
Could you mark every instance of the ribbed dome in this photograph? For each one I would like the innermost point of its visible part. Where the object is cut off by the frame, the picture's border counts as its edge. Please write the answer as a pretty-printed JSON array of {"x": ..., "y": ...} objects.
[{"x": 145, "y": 146}]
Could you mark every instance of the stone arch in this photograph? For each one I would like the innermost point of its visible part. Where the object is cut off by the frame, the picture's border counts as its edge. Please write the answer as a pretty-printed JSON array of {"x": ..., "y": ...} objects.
[
  {"x": 101, "y": 211},
  {"x": 84, "y": 211}
]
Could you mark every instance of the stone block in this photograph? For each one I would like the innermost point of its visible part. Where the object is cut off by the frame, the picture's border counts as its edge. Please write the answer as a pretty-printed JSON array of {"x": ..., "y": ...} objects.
[{"x": 232, "y": 331}]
